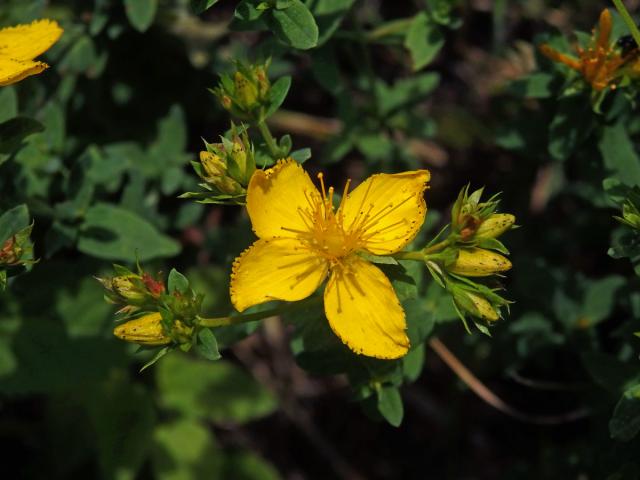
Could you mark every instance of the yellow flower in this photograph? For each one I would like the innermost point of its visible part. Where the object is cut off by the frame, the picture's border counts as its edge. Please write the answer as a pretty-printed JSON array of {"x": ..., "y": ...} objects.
[
  {"x": 600, "y": 63},
  {"x": 19, "y": 46},
  {"x": 302, "y": 239}
]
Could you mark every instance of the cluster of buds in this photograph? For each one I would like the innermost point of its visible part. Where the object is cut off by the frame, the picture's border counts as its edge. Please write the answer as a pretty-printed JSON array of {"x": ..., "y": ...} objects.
[
  {"x": 473, "y": 250},
  {"x": 153, "y": 314},
  {"x": 135, "y": 292},
  {"x": 245, "y": 93},
  {"x": 225, "y": 169},
  {"x": 16, "y": 251}
]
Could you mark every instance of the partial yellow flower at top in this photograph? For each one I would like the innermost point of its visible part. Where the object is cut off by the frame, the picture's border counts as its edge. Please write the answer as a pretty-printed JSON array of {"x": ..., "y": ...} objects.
[
  {"x": 19, "y": 46},
  {"x": 302, "y": 239},
  {"x": 600, "y": 64}
]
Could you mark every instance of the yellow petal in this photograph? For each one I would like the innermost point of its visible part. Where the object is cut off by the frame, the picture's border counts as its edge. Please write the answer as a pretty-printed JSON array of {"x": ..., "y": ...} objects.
[
  {"x": 280, "y": 200},
  {"x": 605, "y": 24},
  {"x": 275, "y": 269},
  {"x": 364, "y": 311},
  {"x": 388, "y": 210},
  {"x": 26, "y": 42},
  {"x": 12, "y": 71}
]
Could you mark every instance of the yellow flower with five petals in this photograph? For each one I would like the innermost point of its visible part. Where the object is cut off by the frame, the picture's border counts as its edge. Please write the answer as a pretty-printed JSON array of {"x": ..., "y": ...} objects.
[
  {"x": 19, "y": 45},
  {"x": 302, "y": 240}
]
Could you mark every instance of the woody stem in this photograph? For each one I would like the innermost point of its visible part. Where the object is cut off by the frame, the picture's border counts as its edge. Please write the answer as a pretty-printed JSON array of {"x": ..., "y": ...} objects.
[
  {"x": 252, "y": 317},
  {"x": 631, "y": 25}
]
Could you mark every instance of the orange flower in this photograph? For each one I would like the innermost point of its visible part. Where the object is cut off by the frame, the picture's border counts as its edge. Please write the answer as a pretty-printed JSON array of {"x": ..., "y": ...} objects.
[{"x": 600, "y": 63}]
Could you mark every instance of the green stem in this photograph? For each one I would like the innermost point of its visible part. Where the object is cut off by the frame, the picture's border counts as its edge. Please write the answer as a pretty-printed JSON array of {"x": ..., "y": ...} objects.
[
  {"x": 436, "y": 247},
  {"x": 624, "y": 13},
  {"x": 395, "y": 27},
  {"x": 252, "y": 317},
  {"x": 421, "y": 255},
  {"x": 269, "y": 140}
]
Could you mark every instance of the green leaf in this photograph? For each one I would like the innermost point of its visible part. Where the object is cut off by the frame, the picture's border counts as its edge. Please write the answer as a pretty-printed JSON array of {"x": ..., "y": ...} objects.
[
  {"x": 14, "y": 131},
  {"x": 246, "y": 465},
  {"x": 8, "y": 103},
  {"x": 329, "y": 15},
  {"x": 424, "y": 40},
  {"x": 625, "y": 423},
  {"x": 390, "y": 405},
  {"x": 619, "y": 154},
  {"x": 406, "y": 93},
  {"x": 570, "y": 126},
  {"x": 599, "y": 298},
  {"x": 185, "y": 450},
  {"x": 207, "y": 345},
  {"x": 122, "y": 416},
  {"x": 177, "y": 282},
  {"x": 536, "y": 85},
  {"x": 413, "y": 362},
  {"x": 12, "y": 221},
  {"x": 301, "y": 155},
  {"x": 81, "y": 57},
  {"x": 220, "y": 391},
  {"x": 277, "y": 94},
  {"x": 141, "y": 13},
  {"x": 199, "y": 6},
  {"x": 294, "y": 25},
  {"x": 113, "y": 233}
]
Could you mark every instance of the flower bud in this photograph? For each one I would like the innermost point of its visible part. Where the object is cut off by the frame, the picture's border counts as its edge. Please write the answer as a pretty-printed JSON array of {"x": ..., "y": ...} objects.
[
  {"x": 10, "y": 252},
  {"x": 226, "y": 102},
  {"x": 215, "y": 174},
  {"x": 213, "y": 165},
  {"x": 495, "y": 225},
  {"x": 262, "y": 79},
  {"x": 246, "y": 91},
  {"x": 129, "y": 288},
  {"x": 478, "y": 262},
  {"x": 483, "y": 309},
  {"x": 145, "y": 330},
  {"x": 475, "y": 305}
]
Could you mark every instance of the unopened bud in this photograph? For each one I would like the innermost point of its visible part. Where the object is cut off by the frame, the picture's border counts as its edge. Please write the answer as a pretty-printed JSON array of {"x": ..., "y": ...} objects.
[
  {"x": 263, "y": 81},
  {"x": 246, "y": 91},
  {"x": 226, "y": 102},
  {"x": 213, "y": 165},
  {"x": 128, "y": 288},
  {"x": 10, "y": 252},
  {"x": 239, "y": 154},
  {"x": 495, "y": 225},
  {"x": 146, "y": 330},
  {"x": 478, "y": 262},
  {"x": 482, "y": 308}
]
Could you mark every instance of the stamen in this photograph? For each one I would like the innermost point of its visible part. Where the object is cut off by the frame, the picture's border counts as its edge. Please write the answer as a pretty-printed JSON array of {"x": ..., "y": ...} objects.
[
  {"x": 324, "y": 193},
  {"x": 345, "y": 193}
]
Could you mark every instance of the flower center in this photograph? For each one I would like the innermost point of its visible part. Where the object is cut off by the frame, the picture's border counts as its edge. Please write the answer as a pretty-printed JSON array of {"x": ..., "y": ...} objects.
[{"x": 327, "y": 235}]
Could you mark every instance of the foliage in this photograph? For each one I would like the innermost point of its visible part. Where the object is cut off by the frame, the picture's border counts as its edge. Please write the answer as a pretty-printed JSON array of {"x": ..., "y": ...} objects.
[{"x": 103, "y": 166}]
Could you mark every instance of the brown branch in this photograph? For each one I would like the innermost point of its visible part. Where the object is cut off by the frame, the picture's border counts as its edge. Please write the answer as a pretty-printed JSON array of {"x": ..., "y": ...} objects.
[
  {"x": 481, "y": 390},
  {"x": 321, "y": 129}
]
